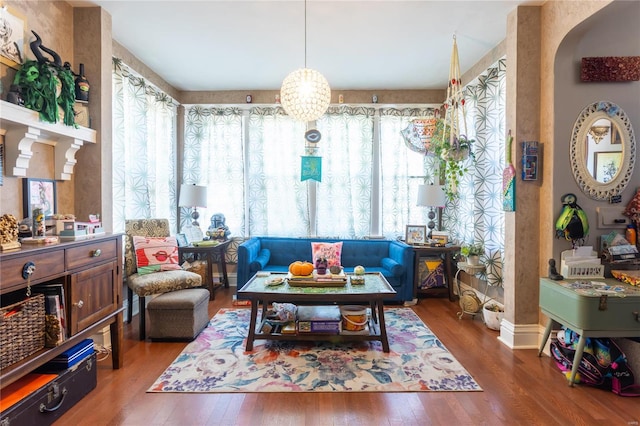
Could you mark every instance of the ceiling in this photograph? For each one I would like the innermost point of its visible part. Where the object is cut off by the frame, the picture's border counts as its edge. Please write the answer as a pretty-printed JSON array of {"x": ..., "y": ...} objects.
[{"x": 211, "y": 45}]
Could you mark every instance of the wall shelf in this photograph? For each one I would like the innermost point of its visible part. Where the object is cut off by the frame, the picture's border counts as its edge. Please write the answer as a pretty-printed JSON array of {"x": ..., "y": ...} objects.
[{"x": 22, "y": 127}]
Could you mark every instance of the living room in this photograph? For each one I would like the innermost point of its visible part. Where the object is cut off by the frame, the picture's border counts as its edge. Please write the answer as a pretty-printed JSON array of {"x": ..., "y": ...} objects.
[{"x": 547, "y": 42}]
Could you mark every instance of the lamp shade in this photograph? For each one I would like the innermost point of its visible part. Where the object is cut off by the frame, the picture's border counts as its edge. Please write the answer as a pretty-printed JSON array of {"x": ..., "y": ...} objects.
[
  {"x": 305, "y": 94},
  {"x": 431, "y": 196},
  {"x": 193, "y": 196}
]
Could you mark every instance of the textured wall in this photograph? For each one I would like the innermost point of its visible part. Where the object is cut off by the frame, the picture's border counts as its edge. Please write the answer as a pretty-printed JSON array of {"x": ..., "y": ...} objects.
[{"x": 53, "y": 21}]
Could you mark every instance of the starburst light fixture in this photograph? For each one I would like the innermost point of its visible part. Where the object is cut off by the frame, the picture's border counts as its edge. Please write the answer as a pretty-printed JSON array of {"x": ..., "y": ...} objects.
[{"x": 305, "y": 93}]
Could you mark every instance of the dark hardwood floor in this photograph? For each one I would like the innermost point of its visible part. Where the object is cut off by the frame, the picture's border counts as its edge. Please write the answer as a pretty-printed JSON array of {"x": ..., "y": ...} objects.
[{"x": 519, "y": 388}]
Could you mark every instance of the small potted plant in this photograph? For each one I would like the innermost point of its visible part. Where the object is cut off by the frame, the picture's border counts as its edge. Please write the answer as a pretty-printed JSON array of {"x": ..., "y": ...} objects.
[
  {"x": 472, "y": 252},
  {"x": 492, "y": 314}
]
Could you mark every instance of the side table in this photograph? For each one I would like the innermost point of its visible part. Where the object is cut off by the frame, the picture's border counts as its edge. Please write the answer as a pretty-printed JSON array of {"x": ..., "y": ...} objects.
[
  {"x": 210, "y": 254},
  {"x": 446, "y": 254}
]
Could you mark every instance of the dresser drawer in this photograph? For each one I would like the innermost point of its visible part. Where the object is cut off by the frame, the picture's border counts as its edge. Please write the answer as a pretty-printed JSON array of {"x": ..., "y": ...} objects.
[
  {"x": 90, "y": 254},
  {"x": 47, "y": 264}
]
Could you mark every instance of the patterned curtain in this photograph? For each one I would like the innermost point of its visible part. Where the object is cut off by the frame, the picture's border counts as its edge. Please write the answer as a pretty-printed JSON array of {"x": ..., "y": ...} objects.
[
  {"x": 346, "y": 148},
  {"x": 144, "y": 150},
  {"x": 401, "y": 171},
  {"x": 214, "y": 157},
  {"x": 480, "y": 201},
  {"x": 278, "y": 200}
]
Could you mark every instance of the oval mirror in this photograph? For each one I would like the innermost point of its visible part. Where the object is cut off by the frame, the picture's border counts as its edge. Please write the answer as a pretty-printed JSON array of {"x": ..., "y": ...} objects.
[{"x": 603, "y": 150}]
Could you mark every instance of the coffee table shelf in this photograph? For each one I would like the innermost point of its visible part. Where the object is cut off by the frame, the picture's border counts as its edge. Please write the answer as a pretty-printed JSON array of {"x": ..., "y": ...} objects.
[{"x": 372, "y": 293}]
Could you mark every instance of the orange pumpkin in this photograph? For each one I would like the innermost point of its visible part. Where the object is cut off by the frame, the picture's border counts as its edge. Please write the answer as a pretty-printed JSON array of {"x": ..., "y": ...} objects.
[{"x": 301, "y": 268}]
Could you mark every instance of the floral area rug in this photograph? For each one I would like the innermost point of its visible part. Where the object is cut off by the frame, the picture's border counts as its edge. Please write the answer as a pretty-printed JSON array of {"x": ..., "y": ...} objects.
[{"x": 216, "y": 361}]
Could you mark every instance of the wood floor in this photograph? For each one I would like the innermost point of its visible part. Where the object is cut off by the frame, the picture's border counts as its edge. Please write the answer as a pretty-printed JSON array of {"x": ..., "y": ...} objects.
[{"x": 519, "y": 388}]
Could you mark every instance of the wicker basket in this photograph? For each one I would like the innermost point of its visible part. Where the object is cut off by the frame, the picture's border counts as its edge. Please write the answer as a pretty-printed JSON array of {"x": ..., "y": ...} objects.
[{"x": 21, "y": 330}]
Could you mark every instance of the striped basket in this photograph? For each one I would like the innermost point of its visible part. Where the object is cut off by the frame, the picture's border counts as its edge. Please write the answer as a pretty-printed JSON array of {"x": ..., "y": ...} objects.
[{"x": 22, "y": 328}]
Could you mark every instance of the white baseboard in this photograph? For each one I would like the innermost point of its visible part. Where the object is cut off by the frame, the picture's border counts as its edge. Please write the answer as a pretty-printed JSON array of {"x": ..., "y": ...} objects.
[
  {"x": 515, "y": 336},
  {"x": 102, "y": 338}
]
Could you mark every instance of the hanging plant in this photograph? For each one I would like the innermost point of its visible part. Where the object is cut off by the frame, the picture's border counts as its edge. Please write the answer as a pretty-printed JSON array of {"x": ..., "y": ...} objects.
[{"x": 453, "y": 153}]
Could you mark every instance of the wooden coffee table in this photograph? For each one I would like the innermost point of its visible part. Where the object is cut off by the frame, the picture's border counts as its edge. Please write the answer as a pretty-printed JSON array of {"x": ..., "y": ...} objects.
[{"x": 372, "y": 293}]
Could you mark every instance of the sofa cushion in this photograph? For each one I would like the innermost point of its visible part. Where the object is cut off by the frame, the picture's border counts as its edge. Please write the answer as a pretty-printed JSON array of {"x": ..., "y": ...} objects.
[
  {"x": 261, "y": 261},
  {"x": 330, "y": 251},
  {"x": 155, "y": 254},
  {"x": 396, "y": 269}
]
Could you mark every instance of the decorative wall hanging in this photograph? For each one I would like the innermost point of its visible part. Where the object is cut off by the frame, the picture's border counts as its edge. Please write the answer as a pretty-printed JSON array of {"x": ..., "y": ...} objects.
[
  {"x": 12, "y": 41},
  {"x": 530, "y": 160},
  {"x": 311, "y": 168},
  {"x": 610, "y": 68},
  {"x": 509, "y": 180}
]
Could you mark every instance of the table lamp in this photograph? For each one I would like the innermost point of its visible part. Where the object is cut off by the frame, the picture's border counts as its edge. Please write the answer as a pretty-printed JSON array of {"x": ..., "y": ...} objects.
[
  {"x": 431, "y": 196},
  {"x": 193, "y": 196}
]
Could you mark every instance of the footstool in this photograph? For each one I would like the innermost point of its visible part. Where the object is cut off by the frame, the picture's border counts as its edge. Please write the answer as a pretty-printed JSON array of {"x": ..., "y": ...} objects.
[{"x": 178, "y": 315}]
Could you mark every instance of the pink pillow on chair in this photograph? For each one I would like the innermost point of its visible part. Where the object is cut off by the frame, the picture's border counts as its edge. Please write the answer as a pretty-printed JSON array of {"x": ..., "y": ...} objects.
[{"x": 155, "y": 254}]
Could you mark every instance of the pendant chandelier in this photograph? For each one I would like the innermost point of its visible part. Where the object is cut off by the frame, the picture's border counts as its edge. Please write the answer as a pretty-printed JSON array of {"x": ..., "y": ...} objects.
[{"x": 305, "y": 93}]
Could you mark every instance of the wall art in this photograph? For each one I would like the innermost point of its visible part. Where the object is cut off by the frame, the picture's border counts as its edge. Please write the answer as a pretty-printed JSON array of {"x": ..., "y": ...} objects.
[
  {"x": 12, "y": 39},
  {"x": 39, "y": 193}
]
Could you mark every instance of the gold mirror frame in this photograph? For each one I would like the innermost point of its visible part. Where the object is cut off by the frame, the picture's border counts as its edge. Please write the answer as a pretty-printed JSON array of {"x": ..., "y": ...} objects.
[{"x": 579, "y": 150}]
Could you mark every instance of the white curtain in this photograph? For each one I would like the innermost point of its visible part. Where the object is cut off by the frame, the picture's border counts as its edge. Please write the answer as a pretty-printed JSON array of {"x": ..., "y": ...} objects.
[
  {"x": 278, "y": 200},
  {"x": 480, "y": 202},
  {"x": 213, "y": 157},
  {"x": 250, "y": 161},
  {"x": 402, "y": 170},
  {"x": 144, "y": 150},
  {"x": 343, "y": 201}
]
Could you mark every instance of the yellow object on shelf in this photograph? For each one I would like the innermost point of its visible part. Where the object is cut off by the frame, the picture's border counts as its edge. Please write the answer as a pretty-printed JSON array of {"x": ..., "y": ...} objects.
[{"x": 630, "y": 277}]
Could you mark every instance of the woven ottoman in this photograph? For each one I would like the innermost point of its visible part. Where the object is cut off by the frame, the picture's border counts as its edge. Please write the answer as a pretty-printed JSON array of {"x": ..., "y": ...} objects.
[{"x": 178, "y": 315}]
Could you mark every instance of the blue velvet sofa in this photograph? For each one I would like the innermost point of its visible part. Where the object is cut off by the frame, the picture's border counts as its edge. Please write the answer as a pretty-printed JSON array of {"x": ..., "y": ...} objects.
[{"x": 394, "y": 259}]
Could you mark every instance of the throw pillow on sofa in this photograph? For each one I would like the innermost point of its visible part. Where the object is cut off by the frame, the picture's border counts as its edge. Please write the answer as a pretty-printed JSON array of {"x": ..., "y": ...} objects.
[
  {"x": 330, "y": 251},
  {"x": 155, "y": 254}
]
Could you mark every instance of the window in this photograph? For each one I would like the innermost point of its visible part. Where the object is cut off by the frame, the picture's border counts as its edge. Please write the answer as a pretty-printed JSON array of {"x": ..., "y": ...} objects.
[
  {"x": 250, "y": 161},
  {"x": 144, "y": 147}
]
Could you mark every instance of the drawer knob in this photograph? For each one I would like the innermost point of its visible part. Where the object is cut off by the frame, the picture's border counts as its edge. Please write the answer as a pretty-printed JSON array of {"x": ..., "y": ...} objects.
[
  {"x": 637, "y": 315},
  {"x": 96, "y": 253},
  {"x": 79, "y": 304}
]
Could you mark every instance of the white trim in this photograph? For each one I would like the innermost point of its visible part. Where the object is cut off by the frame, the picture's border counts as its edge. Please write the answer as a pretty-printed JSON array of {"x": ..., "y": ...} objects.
[{"x": 519, "y": 336}]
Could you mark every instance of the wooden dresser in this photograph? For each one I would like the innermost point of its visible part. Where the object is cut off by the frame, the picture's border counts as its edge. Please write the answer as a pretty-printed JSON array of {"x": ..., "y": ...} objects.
[{"x": 91, "y": 272}]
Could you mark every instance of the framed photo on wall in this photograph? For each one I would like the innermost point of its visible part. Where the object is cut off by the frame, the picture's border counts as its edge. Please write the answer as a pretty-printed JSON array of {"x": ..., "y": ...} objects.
[
  {"x": 606, "y": 165},
  {"x": 416, "y": 234},
  {"x": 12, "y": 40},
  {"x": 39, "y": 193}
]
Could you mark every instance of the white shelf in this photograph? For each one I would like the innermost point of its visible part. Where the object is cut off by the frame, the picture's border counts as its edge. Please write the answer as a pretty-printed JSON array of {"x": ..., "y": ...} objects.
[{"x": 22, "y": 127}]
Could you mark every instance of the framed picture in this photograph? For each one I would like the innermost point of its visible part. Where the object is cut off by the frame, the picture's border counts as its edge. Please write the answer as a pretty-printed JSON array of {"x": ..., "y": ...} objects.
[
  {"x": 440, "y": 240},
  {"x": 12, "y": 40},
  {"x": 416, "y": 234},
  {"x": 39, "y": 193},
  {"x": 606, "y": 165},
  {"x": 182, "y": 240},
  {"x": 615, "y": 135}
]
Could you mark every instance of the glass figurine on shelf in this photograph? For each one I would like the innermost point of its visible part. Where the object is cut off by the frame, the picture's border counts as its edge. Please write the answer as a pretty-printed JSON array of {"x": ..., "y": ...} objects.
[{"x": 218, "y": 230}]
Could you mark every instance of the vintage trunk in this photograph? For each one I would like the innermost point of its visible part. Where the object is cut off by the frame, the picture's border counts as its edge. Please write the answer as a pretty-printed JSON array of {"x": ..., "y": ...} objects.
[{"x": 47, "y": 404}]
